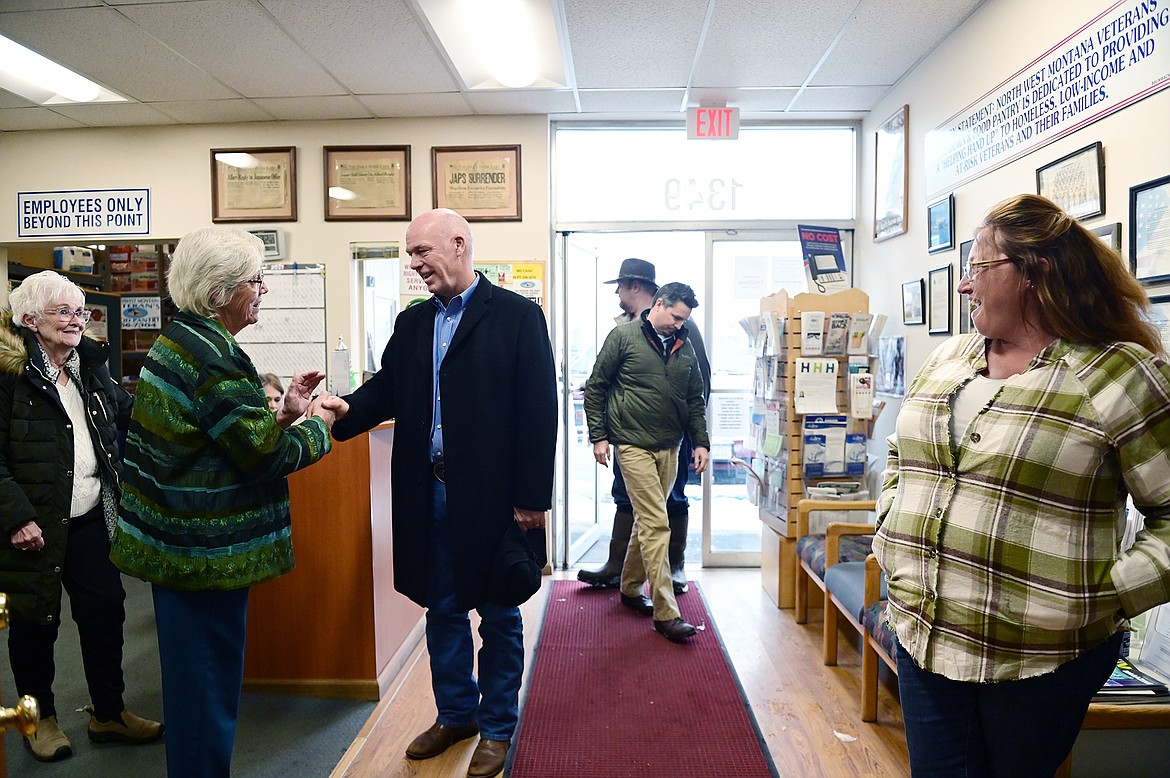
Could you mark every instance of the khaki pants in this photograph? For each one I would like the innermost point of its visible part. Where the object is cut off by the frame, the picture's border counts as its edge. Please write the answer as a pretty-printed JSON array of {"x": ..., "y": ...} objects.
[{"x": 649, "y": 477}]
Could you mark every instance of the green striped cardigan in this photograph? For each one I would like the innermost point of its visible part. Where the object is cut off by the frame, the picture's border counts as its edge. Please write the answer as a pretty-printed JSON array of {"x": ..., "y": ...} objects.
[{"x": 205, "y": 497}]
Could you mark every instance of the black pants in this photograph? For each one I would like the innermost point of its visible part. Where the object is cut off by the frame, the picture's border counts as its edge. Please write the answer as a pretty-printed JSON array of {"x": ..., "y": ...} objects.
[{"x": 97, "y": 604}]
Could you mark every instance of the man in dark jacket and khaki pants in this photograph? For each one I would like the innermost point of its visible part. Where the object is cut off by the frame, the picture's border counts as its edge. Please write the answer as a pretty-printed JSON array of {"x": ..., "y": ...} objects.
[
  {"x": 645, "y": 393},
  {"x": 468, "y": 377}
]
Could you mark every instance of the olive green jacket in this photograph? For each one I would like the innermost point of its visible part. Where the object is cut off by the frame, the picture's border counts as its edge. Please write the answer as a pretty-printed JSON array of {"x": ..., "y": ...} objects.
[{"x": 641, "y": 395}]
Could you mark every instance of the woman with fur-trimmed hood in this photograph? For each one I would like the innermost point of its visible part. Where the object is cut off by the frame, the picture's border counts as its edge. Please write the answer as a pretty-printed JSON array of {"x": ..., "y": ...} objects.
[{"x": 60, "y": 412}]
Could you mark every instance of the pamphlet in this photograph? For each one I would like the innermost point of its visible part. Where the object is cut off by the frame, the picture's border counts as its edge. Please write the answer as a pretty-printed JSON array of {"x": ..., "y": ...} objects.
[
  {"x": 816, "y": 385},
  {"x": 838, "y": 336},
  {"x": 859, "y": 333},
  {"x": 812, "y": 328}
]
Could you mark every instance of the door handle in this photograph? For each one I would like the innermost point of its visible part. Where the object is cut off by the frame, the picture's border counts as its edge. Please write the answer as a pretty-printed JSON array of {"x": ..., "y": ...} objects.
[{"x": 27, "y": 713}]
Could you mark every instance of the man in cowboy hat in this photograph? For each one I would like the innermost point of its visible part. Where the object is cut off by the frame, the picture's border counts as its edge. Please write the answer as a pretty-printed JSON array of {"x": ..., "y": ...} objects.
[{"x": 636, "y": 288}]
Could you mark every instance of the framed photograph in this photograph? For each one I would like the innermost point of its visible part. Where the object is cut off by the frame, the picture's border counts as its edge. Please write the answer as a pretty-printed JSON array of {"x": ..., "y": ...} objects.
[
  {"x": 965, "y": 324},
  {"x": 1075, "y": 182},
  {"x": 1160, "y": 316},
  {"x": 254, "y": 185},
  {"x": 940, "y": 218},
  {"x": 890, "y": 176},
  {"x": 481, "y": 183},
  {"x": 1149, "y": 230},
  {"x": 938, "y": 283},
  {"x": 1110, "y": 235},
  {"x": 913, "y": 310},
  {"x": 273, "y": 238},
  {"x": 367, "y": 183}
]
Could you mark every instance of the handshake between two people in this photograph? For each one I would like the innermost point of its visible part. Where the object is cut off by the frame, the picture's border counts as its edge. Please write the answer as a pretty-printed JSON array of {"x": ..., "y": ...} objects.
[{"x": 300, "y": 400}]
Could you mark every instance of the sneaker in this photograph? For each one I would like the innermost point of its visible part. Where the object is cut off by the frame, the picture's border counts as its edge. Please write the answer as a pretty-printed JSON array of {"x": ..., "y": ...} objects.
[
  {"x": 127, "y": 728},
  {"x": 48, "y": 743}
]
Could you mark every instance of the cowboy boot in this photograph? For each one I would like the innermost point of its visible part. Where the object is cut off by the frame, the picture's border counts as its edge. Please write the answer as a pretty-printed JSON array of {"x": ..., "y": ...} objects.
[
  {"x": 610, "y": 574},
  {"x": 676, "y": 551}
]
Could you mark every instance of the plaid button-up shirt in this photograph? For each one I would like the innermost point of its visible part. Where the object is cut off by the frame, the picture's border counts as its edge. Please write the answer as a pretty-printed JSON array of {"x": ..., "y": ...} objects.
[{"x": 1003, "y": 550}]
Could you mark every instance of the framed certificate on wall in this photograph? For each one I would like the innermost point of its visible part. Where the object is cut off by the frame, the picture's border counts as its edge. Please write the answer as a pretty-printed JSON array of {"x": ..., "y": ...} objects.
[{"x": 481, "y": 183}]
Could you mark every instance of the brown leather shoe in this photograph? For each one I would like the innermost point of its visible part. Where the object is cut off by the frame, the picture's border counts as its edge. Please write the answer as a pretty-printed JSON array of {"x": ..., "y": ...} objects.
[
  {"x": 488, "y": 759},
  {"x": 675, "y": 629},
  {"x": 438, "y": 739}
]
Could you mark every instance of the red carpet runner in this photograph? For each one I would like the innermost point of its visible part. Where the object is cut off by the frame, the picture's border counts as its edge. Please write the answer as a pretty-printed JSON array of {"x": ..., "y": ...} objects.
[{"x": 610, "y": 697}]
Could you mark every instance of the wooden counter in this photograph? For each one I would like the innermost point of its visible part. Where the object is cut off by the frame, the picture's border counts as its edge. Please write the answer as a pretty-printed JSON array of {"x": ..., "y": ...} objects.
[{"x": 334, "y": 626}]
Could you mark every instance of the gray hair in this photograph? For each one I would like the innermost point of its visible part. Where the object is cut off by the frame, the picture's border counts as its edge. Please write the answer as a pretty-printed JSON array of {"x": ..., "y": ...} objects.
[
  {"x": 676, "y": 292},
  {"x": 208, "y": 264},
  {"x": 40, "y": 290}
]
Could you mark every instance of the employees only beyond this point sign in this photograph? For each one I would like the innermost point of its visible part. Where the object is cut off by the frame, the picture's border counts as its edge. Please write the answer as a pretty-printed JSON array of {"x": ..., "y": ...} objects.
[{"x": 83, "y": 213}]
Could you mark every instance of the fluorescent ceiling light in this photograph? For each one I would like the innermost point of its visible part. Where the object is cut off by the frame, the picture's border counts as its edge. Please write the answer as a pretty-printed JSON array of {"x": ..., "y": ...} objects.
[
  {"x": 43, "y": 81},
  {"x": 499, "y": 44}
]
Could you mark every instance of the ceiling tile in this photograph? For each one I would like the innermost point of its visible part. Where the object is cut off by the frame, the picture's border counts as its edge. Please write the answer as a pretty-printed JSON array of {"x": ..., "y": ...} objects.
[
  {"x": 442, "y": 104},
  {"x": 370, "y": 46},
  {"x": 35, "y": 119},
  {"x": 839, "y": 98},
  {"x": 631, "y": 100},
  {"x": 777, "y": 46},
  {"x": 248, "y": 51},
  {"x": 102, "y": 44},
  {"x": 214, "y": 111},
  {"x": 507, "y": 101},
  {"x": 887, "y": 38},
  {"x": 314, "y": 108},
  {"x": 114, "y": 114},
  {"x": 744, "y": 99},
  {"x": 633, "y": 43}
]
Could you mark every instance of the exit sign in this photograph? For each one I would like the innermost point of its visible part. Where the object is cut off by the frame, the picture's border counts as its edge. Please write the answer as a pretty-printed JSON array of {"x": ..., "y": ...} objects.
[{"x": 709, "y": 123}]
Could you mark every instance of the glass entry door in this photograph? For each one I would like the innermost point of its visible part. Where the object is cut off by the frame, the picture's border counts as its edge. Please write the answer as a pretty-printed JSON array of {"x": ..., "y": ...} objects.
[
  {"x": 590, "y": 308},
  {"x": 729, "y": 273}
]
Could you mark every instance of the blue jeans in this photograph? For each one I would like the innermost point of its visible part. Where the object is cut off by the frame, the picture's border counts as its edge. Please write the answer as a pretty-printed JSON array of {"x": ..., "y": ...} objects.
[
  {"x": 1022, "y": 728},
  {"x": 494, "y": 701},
  {"x": 201, "y": 649}
]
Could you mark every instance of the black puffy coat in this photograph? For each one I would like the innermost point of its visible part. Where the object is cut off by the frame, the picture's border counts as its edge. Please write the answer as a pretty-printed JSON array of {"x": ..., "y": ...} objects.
[{"x": 36, "y": 463}]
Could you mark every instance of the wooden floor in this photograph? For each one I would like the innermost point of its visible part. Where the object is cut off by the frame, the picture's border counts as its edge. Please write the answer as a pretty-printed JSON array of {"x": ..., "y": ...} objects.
[{"x": 810, "y": 715}]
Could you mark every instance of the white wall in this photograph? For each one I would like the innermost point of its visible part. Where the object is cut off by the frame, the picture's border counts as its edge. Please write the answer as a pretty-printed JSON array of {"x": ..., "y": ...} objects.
[
  {"x": 174, "y": 163},
  {"x": 999, "y": 39}
]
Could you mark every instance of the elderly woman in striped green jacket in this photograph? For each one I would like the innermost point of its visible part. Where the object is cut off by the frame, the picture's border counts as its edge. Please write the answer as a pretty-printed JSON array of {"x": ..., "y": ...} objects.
[{"x": 205, "y": 507}]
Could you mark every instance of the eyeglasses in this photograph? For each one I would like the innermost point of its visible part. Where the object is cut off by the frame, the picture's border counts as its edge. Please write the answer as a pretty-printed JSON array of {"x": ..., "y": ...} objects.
[
  {"x": 972, "y": 269},
  {"x": 65, "y": 313},
  {"x": 257, "y": 281}
]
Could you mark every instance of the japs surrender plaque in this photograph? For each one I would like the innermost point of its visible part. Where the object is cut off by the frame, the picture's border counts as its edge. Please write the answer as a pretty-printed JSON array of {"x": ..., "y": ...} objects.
[{"x": 481, "y": 183}]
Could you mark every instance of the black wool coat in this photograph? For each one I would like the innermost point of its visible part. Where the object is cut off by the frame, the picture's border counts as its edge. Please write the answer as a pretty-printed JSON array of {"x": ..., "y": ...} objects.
[
  {"x": 36, "y": 463},
  {"x": 499, "y": 432}
]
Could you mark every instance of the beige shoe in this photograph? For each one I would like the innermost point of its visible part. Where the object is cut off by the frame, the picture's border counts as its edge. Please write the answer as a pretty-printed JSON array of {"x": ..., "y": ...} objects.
[
  {"x": 48, "y": 743},
  {"x": 127, "y": 728}
]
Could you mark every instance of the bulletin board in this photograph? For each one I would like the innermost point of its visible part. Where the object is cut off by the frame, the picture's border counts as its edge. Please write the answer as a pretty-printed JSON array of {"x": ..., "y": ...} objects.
[
  {"x": 527, "y": 278},
  {"x": 289, "y": 337}
]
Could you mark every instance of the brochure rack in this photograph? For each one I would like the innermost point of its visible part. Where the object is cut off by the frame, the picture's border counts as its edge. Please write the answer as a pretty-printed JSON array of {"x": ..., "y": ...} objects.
[{"x": 780, "y": 485}]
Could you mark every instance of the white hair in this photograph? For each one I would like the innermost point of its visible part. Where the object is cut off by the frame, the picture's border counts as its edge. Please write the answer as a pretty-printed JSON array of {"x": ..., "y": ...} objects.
[
  {"x": 208, "y": 264},
  {"x": 38, "y": 292}
]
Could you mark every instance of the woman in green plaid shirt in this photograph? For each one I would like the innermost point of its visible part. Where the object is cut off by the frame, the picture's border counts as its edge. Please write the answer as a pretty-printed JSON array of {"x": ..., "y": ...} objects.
[{"x": 1003, "y": 502}]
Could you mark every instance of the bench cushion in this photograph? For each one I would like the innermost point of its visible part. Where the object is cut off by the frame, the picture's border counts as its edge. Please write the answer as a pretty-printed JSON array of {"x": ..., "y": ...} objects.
[
  {"x": 811, "y": 549},
  {"x": 874, "y": 621},
  {"x": 846, "y": 581}
]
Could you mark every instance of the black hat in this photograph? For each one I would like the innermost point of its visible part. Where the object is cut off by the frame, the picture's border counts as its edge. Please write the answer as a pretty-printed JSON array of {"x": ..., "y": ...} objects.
[
  {"x": 517, "y": 567},
  {"x": 634, "y": 269}
]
